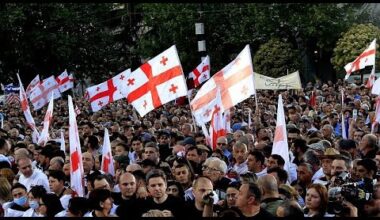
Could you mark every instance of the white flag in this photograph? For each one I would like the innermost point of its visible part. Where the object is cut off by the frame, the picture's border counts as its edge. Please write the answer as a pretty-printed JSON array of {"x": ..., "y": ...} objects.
[
  {"x": 280, "y": 142},
  {"x": 35, "y": 82},
  {"x": 63, "y": 148},
  {"x": 44, "y": 136},
  {"x": 107, "y": 159},
  {"x": 367, "y": 58},
  {"x": 76, "y": 164}
]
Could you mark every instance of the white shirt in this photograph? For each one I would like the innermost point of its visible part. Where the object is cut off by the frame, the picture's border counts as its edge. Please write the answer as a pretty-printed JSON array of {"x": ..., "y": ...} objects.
[
  {"x": 8, "y": 212},
  {"x": 37, "y": 178},
  {"x": 292, "y": 172},
  {"x": 261, "y": 173},
  {"x": 65, "y": 201},
  {"x": 318, "y": 175},
  {"x": 241, "y": 168}
]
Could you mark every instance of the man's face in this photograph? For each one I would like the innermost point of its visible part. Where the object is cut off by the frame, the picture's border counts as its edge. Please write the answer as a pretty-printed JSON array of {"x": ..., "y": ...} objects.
[
  {"x": 240, "y": 154},
  {"x": 88, "y": 162},
  {"x": 358, "y": 136},
  {"x": 303, "y": 174},
  {"x": 221, "y": 143},
  {"x": 182, "y": 174},
  {"x": 337, "y": 167},
  {"x": 362, "y": 172},
  {"x": 55, "y": 185},
  {"x": 137, "y": 146},
  {"x": 151, "y": 153},
  {"x": 102, "y": 184},
  {"x": 213, "y": 171},
  {"x": 163, "y": 139},
  {"x": 326, "y": 166},
  {"x": 200, "y": 140},
  {"x": 242, "y": 198},
  {"x": 25, "y": 167},
  {"x": 231, "y": 195},
  {"x": 272, "y": 163},
  {"x": 127, "y": 184},
  {"x": 292, "y": 137},
  {"x": 86, "y": 130},
  {"x": 193, "y": 156},
  {"x": 363, "y": 143},
  {"x": 157, "y": 187},
  {"x": 252, "y": 163},
  {"x": 203, "y": 187},
  {"x": 18, "y": 193}
]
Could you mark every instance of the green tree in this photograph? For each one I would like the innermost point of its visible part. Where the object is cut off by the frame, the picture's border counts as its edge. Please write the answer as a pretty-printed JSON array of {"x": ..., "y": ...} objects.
[
  {"x": 275, "y": 58},
  {"x": 352, "y": 44}
]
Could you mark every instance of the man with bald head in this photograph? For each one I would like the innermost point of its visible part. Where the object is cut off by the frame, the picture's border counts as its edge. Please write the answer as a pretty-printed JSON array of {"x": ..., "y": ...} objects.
[
  {"x": 271, "y": 199},
  {"x": 126, "y": 199},
  {"x": 31, "y": 176}
]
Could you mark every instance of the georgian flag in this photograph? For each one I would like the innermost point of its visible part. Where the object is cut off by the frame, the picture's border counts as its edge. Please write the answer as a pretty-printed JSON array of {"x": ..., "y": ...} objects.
[
  {"x": 280, "y": 142},
  {"x": 107, "y": 159},
  {"x": 32, "y": 84},
  {"x": 44, "y": 136},
  {"x": 367, "y": 58},
  {"x": 217, "y": 125},
  {"x": 76, "y": 164},
  {"x": 201, "y": 73},
  {"x": 65, "y": 81},
  {"x": 157, "y": 82},
  {"x": 43, "y": 92}
]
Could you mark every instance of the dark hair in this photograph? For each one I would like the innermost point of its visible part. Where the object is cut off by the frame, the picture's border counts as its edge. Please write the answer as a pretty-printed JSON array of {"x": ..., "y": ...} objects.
[
  {"x": 98, "y": 195},
  {"x": 37, "y": 191},
  {"x": 78, "y": 206},
  {"x": 347, "y": 144},
  {"x": 94, "y": 142},
  {"x": 282, "y": 174},
  {"x": 254, "y": 190},
  {"x": 57, "y": 174},
  {"x": 100, "y": 177},
  {"x": 259, "y": 156},
  {"x": 52, "y": 203},
  {"x": 126, "y": 148},
  {"x": 292, "y": 210},
  {"x": 300, "y": 143},
  {"x": 155, "y": 173},
  {"x": 294, "y": 130},
  {"x": 368, "y": 164},
  {"x": 2, "y": 143},
  {"x": 181, "y": 192},
  {"x": 18, "y": 185},
  {"x": 199, "y": 152},
  {"x": 279, "y": 159}
]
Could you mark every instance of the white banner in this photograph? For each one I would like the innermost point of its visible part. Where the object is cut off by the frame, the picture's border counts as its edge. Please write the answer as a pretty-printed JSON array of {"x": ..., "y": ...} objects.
[{"x": 291, "y": 81}]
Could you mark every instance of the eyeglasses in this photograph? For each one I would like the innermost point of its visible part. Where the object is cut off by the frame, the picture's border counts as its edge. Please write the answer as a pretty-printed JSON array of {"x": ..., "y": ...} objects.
[{"x": 206, "y": 168}]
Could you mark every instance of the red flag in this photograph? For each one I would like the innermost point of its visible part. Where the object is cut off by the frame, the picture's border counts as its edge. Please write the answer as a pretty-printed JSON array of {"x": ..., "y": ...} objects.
[
  {"x": 313, "y": 100},
  {"x": 107, "y": 159},
  {"x": 157, "y": 82}
]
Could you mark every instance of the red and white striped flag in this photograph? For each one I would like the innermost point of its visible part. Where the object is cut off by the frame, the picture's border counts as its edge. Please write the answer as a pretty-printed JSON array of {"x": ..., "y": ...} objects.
[
  {"x": 217, "y": 126},
  {"x": 44, "y": 136},
  {"x": 28, "y": 115},
  {"x": 280, "y": 142},
  {"x": 32, "y": 84},
  {"x": 65, "y": 81},
  {"x": 201, "y": 73},
  {"x": 367, "y": 58},
  {"x": 12, "y": 98},
  {"x": 43, "y": 92},
  {"x": 107, "y": 159},
  {"x": 76, "y": 164}
]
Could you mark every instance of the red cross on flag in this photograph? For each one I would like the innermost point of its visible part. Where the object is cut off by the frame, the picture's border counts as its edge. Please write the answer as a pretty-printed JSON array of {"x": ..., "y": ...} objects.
[
  {"x": 235, "y": 82},
  {"x": 76, "y": 165},
  {"x": 65, "y": 81},
  {"x": 227, "y": 120},
  {"x": 44, "y": 136},
  {"x": 41, "y": 93},
  {"x": 217, "y": 125},
  {"x": 371, "y": 78},
  {"x": 367, "y": 58},
  {"x": 201, "y": 73},
  {"x": 109, "y": 91},
  {"x": 32, "y": 84},
  {"x": 157, "y": 82},
  {"x": 107, "y": 159},
  {"x": 280, "y": 142},
  {"x": 25, "y": 108}
]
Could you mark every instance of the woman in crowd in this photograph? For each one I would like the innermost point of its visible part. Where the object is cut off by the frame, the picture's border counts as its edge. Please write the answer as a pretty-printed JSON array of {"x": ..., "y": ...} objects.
[
  {"x": 101, "y": 203},
  {"x": 78, "y": 207},
  {"x": 50, "y": 206},
  {"x": 5, "y": 193},
  {"x": 34, "y": 196},
  {"x": 175, "y": 188},
  {"x": 316, "y": 201}
]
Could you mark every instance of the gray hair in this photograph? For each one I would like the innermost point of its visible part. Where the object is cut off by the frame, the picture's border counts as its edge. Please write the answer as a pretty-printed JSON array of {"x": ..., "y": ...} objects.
[
  {"x": 310, "y": 157},
  {"x": 222, "y": 166}
]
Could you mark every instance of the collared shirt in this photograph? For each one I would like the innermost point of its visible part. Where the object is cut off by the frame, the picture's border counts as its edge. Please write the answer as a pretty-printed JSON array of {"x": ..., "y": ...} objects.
[
  {"x": 241, "y": 168},
  {"x": 37, "y": 178},
  {"x": 262, "y": 173},
  {"x": 318, "y": 175}
]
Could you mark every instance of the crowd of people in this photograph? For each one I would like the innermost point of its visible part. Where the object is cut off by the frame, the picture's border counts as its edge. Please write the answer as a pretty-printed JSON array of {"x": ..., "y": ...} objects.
[{"x": 165, "y": 167}]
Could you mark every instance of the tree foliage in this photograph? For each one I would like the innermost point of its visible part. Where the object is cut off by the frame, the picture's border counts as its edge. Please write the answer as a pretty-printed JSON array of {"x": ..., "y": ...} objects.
[
  {"x": 275, "y": 58},
  {"x": 352, "y": 44}
]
